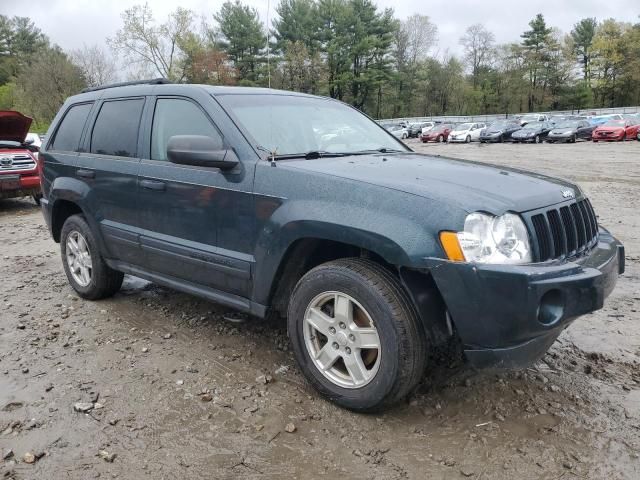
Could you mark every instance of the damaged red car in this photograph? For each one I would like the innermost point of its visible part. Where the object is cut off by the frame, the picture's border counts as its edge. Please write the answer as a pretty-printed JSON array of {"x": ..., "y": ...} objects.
[
  {"x": 616, "y": 130},
  {"x": 19, "y": 169}
]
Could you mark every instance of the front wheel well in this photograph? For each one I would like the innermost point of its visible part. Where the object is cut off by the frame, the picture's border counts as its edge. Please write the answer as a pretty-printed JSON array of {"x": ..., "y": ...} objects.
[
  {"x": 62, "y": 210},
  {"x": 304, "y": 255}
]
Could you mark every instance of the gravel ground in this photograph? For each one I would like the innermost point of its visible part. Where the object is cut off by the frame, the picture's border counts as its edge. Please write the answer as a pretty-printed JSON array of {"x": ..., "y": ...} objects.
[{"x": 157, "y": 384}]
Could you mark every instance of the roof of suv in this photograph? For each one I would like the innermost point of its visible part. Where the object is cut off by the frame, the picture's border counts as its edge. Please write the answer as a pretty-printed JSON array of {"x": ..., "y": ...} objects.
[{"x": 175, "y": 88}]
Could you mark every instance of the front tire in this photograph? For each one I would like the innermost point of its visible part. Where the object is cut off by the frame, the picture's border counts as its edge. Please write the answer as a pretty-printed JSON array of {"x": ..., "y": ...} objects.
[
  {"x": 86, "y": 270},
  {"x": 356, "y": 335},
  {"x": 468, "y": 139}
]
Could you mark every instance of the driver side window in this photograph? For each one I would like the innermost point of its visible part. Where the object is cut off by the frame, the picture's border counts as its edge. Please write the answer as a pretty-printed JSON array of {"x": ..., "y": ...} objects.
[{"x": 175, "y": 116}]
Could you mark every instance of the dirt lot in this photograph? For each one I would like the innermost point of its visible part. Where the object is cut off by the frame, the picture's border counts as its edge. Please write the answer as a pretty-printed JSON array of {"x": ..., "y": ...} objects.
[{"x": 177, "y": 391}]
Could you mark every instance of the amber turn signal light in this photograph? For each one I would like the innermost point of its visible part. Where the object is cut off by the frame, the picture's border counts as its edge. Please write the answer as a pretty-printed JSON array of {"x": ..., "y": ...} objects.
[{"x": 451, "y": 245}]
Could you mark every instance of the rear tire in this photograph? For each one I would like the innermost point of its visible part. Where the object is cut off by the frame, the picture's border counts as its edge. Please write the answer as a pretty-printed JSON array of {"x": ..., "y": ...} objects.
[
  {"x": 400, "y": 358},
  {"x": 101, "y": 281},
  {"x": 36, "y": 198}
]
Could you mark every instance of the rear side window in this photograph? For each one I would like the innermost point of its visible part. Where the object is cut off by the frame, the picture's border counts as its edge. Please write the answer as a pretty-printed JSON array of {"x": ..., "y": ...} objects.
[
  {"x": 116, "y": 129},
  {"x": 174, "y": 116},
  {"x": 67, "y": 138}
]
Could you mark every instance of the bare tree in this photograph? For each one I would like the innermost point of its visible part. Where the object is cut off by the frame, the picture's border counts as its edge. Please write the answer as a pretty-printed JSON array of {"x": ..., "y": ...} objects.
[
  {"x": 419, "y": 36},
  {"x": 478, "y": 46},
  {"x": 145, "y": 43},
  {"x": 97, "y": 66}
]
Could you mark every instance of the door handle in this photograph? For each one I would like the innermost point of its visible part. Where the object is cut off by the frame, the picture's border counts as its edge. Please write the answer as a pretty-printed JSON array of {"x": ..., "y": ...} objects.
[
  {"x": 81, "y": 172},
  {"x": 153, "y": 185}
]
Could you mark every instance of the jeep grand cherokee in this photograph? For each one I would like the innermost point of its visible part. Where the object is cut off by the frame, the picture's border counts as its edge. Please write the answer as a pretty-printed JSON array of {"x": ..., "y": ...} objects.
[{"x": 272, "y": 201}]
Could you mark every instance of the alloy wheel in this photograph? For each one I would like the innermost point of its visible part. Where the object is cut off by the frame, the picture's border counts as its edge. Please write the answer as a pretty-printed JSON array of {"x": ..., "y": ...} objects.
[
  {"x": 342, "y": 340},
  {"x": 79, "y": 258}
]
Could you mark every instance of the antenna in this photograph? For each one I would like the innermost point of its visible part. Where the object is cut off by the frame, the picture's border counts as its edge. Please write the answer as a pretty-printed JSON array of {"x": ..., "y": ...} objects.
[{"x": 268, "y": 49}]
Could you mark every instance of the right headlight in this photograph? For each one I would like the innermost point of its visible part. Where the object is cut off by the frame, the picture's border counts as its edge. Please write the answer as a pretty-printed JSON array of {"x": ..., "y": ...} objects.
[{"x": 490, "y": 239}]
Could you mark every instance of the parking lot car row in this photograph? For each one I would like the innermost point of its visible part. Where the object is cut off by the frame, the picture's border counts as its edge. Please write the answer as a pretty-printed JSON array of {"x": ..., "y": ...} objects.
[{"x": 531, "y": 128}]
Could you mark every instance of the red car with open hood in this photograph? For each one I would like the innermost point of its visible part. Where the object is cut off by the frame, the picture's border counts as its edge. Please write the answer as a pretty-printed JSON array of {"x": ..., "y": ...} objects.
[
  {"x": 19, "y": 169},
  {"x": 616, "y": 130}
]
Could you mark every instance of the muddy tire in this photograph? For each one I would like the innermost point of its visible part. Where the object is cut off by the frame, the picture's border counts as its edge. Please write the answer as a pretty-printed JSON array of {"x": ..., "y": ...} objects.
[
  {"x": 356, "y": 335},
  {"x": 87, "y": 272}
]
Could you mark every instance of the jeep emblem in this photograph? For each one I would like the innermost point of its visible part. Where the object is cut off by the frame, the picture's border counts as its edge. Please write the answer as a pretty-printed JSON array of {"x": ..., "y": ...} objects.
[{"x": 567, "y": 193}]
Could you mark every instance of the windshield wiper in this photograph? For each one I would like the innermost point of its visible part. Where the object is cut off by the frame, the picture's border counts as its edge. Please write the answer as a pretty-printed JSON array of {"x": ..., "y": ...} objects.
[
  {"x": 311, "y": 155},
  {"x": 377, "y": 150}
]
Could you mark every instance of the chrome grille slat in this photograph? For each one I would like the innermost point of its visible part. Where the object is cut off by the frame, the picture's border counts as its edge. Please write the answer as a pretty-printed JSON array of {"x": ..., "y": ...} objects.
[
  {"x": 566, "y": 231},
  {"x": 17, "y": 162}
]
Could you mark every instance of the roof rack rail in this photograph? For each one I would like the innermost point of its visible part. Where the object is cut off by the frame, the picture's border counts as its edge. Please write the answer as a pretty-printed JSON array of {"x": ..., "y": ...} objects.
[{"x": 153, "y": 81}]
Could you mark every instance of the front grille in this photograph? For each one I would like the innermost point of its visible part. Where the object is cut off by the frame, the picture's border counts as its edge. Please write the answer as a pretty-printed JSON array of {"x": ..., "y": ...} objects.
[
  {"x": 566, "y": 231},
  {"x": 16, "y": 162}
]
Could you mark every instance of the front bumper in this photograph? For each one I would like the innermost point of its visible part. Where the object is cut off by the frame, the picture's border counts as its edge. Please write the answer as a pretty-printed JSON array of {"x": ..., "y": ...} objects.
[
  {"x": 491, "y": 138},
  {"x": 610, "y": 137},
  {"x": 16, "y": 185},
  {"x": 560, "y": 138},
  {"x": 507, "y": 316}
]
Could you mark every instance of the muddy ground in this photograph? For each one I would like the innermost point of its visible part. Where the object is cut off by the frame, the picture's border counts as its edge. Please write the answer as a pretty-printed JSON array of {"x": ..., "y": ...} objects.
[{"x": 179, "y": 392}]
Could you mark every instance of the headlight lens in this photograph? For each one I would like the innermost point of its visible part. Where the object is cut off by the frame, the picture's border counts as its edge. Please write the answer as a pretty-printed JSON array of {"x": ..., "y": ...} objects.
[{"x": 490, "y": 239}]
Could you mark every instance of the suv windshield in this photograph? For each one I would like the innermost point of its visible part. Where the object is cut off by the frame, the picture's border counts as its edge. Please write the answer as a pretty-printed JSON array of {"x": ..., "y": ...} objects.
[{"x": 295, "y": 125}]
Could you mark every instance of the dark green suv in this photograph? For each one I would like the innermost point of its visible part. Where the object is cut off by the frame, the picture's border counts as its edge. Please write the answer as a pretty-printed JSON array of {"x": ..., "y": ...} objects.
[{"x": 268, "y": 201}]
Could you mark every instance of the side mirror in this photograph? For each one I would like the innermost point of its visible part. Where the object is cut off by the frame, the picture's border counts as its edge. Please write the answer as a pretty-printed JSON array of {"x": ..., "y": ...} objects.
[{"x": 201, "y": 151}]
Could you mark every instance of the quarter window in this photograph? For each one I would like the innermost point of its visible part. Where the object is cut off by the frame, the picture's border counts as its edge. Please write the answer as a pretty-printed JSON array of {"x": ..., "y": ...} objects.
[
  {"x": 67, "y": 137},
  {"x": 116, "y": 129},
  {"x": 174, "y": 116}
]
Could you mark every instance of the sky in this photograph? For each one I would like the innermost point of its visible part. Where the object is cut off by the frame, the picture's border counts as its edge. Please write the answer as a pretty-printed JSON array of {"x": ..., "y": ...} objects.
[{"x": 74, "y": 23}]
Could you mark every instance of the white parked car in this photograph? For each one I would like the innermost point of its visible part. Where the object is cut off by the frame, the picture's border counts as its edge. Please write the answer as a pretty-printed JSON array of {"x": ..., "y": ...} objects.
[
  {"x": 33, "y": 139},
  {"x": 533, "y": 117},
  {"x": 466, "y": 132},
  {"x": 428, "y": 126},
  {"x": 399, "y": 131}
]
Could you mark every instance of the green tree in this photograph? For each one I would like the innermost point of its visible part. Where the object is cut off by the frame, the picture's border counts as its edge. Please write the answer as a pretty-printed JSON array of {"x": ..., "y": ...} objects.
[
  {"x": 298, "y": 22},
  {"x": 583, "y": 34},
  {"x": 20, "y": 40},
  {"x": 243, "y": 40},
  {"x": 535, "y": 43},
  {"x": 44, "y": 85}
]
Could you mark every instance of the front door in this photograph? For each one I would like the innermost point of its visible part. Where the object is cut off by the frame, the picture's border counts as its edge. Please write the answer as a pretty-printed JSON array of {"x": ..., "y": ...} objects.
[{"x": 186, "y": 210}]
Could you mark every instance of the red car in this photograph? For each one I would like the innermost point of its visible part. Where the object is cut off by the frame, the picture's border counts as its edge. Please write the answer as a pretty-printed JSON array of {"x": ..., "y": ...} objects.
[
  {"x": 19, "y": 169},
  {"x": 618, "y": 130},
  {"x": 439, "y": 133}
]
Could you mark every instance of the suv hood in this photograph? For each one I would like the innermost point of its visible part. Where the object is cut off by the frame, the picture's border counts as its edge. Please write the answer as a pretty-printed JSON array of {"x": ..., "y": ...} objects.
[
  {"x": 13, "y": 126},
  {"x": 471, "y": 186}
]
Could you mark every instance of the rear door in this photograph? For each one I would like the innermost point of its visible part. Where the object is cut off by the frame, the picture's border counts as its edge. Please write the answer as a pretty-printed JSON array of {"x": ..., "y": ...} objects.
[
  {"x": 198, "y": 222},
  {"x": 109, "y": 167},
  {"x": 61, "y": 152}
]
